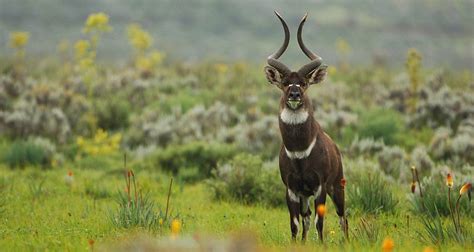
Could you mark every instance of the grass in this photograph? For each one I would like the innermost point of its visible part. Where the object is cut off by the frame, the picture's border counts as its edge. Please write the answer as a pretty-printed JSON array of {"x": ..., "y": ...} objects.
[{"x": 66, "y": 217}]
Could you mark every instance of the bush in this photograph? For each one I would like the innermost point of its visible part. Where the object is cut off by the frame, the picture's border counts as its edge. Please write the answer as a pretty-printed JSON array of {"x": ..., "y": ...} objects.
[
  {"x": 380, "y": 124},
  {"x": 193, "y": 161},
  {"x": 113, "y": 114},
  {"x": 245, "y": 179},
  {"x": 392, "y": 161},
  {"x": 369, "y": 193},
  {"x": 34, "y": 151}
]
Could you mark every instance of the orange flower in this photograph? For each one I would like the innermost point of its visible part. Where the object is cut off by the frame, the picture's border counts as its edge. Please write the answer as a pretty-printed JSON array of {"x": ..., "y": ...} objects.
[
  {"x": 91, "y": 242},
  {"x": 175, "y": 228},
  {"x": 428, "y": 249},
  {"x": 70, "y": 174},
  {"x": 413, "y": 187},
  {"x": 449, "y": 180},
  {"x": 321, "y": 210},
  {"x": 343, "y": 182},
  {"x": 387, "y": 244},
  {"x": 466, "y": 187}
]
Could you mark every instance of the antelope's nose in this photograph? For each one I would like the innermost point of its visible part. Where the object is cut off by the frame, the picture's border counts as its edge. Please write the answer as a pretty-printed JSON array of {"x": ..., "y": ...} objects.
[{"x": 294, "y": 95}]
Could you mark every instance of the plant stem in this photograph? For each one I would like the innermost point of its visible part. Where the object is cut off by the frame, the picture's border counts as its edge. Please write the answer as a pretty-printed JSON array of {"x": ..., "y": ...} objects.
[
  {"x": 451, "y": 209},
  {"x": 168, "y": 200},
  {"x": 457, "y": 212}
]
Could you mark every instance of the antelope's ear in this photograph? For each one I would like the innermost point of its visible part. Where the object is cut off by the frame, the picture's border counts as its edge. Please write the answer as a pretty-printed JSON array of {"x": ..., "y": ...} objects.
[
  {"x": 273, "y": 76},
  {"x": 318, "y": 75}
]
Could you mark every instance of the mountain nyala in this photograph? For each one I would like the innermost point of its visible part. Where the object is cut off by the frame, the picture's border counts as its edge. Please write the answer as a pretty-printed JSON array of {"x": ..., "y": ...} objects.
[{"x": 310, "y": 162}]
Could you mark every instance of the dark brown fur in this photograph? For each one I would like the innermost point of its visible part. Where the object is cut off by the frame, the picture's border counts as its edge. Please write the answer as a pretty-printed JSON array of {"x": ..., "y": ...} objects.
[{"x": 322, "y": 167}]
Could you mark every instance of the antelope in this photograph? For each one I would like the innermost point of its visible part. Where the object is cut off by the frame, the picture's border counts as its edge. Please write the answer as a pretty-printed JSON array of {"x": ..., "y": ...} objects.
[{"x": 310, "y": 162}]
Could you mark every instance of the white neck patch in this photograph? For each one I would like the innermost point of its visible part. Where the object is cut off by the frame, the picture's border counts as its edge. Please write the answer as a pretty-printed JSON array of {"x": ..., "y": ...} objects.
[
  {"x": 301, "y": 154},
  {"x": 291, "y": 117}
]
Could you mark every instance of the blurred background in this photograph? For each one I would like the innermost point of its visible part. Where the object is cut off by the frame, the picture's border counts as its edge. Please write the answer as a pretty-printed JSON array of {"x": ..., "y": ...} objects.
[{"x": 359, "y": 32}]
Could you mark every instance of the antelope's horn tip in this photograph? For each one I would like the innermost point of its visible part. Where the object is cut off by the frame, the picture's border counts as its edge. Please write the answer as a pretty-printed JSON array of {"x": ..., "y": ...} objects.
[
  {"x": 276, "y": 13},
  {"x": 304, "y": 17}
]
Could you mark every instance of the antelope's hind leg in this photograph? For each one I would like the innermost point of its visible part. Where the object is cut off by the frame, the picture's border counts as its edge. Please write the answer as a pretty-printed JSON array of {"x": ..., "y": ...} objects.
[
  {"x": 338, "y": 199},
  {"x": 293, "y": 203}
]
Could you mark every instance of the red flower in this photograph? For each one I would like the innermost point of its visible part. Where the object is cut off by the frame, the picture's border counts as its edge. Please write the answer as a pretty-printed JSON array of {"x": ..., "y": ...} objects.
[{"x": 343, "y": 182}]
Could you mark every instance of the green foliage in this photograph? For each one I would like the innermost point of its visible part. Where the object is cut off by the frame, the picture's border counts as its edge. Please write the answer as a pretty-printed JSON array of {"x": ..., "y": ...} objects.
[
  {"x": 435, "y": 199},
  {"x": 36, "y": 188},
  {"x": 380, "y": 124},
  {"x": 113, "y": 114},
  {"x": 369, "y": 193},
  {"x": 135, "y": 208},
  {"x": 437, "y": 231},
  {"x": 246, "y": 180},
  {"x": 96, "y": 190},
  {"x": 193, "y": 161},
  {"x": 27, "y": 152},
  {"x": 367, "y": 231}
]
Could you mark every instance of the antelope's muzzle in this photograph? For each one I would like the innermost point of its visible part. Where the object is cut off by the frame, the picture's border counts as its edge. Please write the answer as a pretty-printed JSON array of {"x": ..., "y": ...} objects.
[{"x": 294, "y": 100}]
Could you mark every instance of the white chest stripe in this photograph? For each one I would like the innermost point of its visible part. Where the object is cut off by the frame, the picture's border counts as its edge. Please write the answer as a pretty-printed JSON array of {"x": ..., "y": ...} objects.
[
  {"x": 291, "y": 117},
  {"x": 301, "y": 154}
]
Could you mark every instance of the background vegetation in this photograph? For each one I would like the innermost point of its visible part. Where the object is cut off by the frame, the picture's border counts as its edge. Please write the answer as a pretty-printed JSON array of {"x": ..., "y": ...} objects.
[{"x": 199, "y": 124}]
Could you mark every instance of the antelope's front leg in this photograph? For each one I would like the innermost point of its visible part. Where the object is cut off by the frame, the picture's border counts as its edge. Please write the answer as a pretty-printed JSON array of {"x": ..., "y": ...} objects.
[
  {"x": 293, "y": 203},
  {"x": 305, "y": 215},
  {"x": 319, "y": 220}
]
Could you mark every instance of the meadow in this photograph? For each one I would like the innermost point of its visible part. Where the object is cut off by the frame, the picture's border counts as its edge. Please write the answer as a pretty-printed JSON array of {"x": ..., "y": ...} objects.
[{"x": 158, "y": 154}]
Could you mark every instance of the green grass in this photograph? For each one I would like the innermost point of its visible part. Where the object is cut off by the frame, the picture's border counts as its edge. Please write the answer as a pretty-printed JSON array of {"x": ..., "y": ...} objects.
[{"x": 64, "y": 217}]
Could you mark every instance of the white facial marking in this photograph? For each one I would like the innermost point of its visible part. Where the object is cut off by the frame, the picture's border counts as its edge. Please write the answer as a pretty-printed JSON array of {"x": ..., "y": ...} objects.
[
  {"x": 318, "y": 192},
  {"x": 301, "y": 154},
  {"x": 293, "y": 196},
  {"x": 291, "y": 117}
]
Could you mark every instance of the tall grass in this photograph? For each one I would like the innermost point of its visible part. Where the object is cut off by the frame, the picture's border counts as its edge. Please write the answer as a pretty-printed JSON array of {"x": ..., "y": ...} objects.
[{"x": 369, "y": 193}]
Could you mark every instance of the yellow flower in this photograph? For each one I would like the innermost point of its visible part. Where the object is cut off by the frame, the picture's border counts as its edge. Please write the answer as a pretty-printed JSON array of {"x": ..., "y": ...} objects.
[
  {"x": 18, "y": 40},
  {"x": 342, "y": 46},
  {"x": 332, "y": 232},
  {"x": 175, "y": 227},
  {"x": 321, "y": 210},
  {"x": 157, "y": 57},
  {"x": 466, "y": 187},
  {"x": 81, "y": 48},
  {"x": 221, "y": 68},
  {"x": 144, "y": 64},
  {"x": 97, "y": 22},
  {"x": 387, "y": 244},
  {"x": 160, "y": 221},
  {"x": 138, "y": 37},
  {"x": 332, "y": 70},
  {"x": 80, "y": 141},
  {"x": 449, "y": 180}
]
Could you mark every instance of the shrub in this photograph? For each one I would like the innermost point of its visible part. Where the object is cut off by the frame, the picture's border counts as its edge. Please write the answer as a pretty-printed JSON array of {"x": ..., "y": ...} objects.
[
  {"x": 380, "y": 124},
  {"x": 369, "y": 193},
  {"x": 34, "y": 151},
  {"x": 245, "y": 179},
  {"x": 193, "y": 161},
  {"x": 113, "y": 114},
  {"x": 365, "y": 146},
  {"x": 392, "y": 161}
]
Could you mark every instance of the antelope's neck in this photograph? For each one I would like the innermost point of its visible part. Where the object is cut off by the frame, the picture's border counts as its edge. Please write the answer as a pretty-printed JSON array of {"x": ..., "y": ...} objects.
[{"x": 298, "y": 128}]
